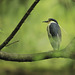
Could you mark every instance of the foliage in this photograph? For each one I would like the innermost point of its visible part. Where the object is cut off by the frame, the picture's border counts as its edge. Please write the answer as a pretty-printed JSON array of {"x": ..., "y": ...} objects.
[{"x": 32, "y": 35}]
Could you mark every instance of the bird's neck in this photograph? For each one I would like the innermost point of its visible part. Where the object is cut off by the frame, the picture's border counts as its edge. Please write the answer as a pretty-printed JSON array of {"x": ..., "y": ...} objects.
[{"x": 51, "y": 22}]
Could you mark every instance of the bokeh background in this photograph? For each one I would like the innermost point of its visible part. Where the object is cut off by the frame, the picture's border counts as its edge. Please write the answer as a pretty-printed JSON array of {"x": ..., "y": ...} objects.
[{"x": 33, "y": 38}]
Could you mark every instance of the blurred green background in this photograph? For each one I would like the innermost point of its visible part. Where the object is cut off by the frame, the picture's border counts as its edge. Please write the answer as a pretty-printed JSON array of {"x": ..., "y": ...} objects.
[{"x": 33, "y": 37}]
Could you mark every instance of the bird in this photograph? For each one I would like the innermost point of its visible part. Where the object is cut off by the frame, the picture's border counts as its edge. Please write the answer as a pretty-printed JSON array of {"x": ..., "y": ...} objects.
[{"x": 54, "y": 33}]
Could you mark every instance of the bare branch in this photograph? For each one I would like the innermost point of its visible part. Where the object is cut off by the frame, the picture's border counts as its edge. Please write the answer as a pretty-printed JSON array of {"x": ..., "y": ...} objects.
[
  {"x": 29, "y": 57},
  {"x": 19, "y": 25},
  {"x": 68, "y": 52},
  {"x": 12, "y": 43}
]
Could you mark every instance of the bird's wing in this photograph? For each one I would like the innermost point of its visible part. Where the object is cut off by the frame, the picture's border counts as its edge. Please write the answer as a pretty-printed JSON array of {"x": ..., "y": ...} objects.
[{"x": 55, "y": 30}]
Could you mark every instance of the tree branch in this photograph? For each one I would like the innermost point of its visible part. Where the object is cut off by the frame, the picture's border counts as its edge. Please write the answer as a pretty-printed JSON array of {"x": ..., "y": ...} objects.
[
  {"x": 68, "y": 52},
  {"x": 19, "y": 25}
]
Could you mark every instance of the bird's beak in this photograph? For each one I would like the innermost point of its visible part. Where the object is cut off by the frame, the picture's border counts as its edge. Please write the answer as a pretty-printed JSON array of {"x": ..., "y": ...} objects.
[{"x": 45, "y": 21}]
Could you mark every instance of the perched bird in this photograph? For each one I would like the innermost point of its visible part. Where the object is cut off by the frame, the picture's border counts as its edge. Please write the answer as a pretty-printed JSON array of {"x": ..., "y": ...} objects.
[{"x": 54, "y": 33}]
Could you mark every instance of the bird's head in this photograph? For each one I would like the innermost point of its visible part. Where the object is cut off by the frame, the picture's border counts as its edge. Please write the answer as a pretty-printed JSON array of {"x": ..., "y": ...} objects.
[{"x": 50, "y": 20}]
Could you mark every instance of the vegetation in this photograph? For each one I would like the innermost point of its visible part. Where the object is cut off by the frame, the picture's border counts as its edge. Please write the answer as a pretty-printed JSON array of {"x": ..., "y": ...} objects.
[{"x": 33, "y": 37}]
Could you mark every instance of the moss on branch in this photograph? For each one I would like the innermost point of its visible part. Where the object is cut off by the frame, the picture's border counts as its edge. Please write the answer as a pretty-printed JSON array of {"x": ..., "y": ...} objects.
[{"x": 68, "y": 52}]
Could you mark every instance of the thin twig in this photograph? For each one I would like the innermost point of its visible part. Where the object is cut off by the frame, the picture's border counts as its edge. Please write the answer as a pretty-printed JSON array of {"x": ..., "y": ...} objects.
[
  {"x": 19, "y": 25},
  {"x": 12, "y": 43}
]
